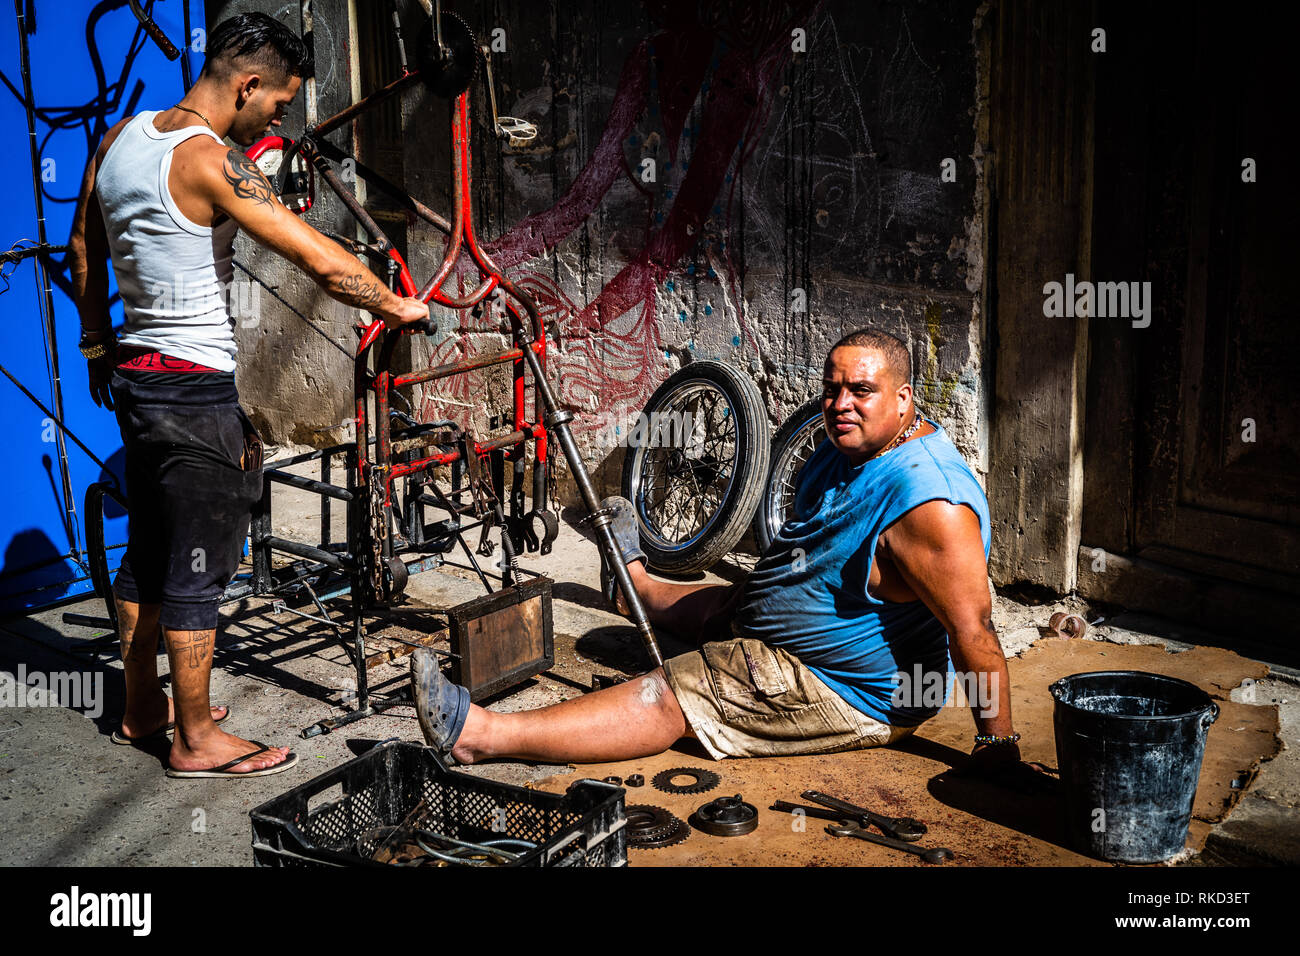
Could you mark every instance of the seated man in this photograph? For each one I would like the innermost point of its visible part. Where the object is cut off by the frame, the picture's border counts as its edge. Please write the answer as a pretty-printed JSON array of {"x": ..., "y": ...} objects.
[{"x": 877, "y": 579}]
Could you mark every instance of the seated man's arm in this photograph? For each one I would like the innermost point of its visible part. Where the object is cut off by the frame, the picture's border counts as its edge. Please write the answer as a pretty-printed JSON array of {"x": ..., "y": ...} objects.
[
  {"x": 938, "y": 551},
  {"x": 237, "y": 187}
]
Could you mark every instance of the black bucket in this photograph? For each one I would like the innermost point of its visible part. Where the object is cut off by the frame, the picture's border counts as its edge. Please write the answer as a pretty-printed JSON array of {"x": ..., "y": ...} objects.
[{"x": 1129, "y": 745}]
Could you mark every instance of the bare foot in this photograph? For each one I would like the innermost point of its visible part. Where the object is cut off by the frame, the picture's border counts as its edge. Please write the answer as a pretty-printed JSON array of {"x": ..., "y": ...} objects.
[
  {"x": 143, "y": 719},
  {"x": 220, "y": 747}
]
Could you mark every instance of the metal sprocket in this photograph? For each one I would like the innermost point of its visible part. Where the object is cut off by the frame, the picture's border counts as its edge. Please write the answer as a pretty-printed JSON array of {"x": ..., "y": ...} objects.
[
  {"x": 452, "y": 76},
  {"x": 652, "y": 828},
  {"x": 704, "y": 780}
]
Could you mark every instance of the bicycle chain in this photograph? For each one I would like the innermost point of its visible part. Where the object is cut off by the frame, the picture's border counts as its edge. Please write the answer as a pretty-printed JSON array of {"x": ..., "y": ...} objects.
[{"x": 378, "y": 532}]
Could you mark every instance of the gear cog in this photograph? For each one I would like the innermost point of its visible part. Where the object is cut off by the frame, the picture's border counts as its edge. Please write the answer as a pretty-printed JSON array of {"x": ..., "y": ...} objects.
[
  {"x": 450, "y": 76},
  {"x": 651, "y": 828},
  {"x": 702, "y": 780}
]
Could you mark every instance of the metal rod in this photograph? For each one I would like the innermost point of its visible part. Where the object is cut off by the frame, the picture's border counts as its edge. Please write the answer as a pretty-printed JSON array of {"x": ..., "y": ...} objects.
[
  {"x": 29, "y": 103},
  {"x": 308, "y": 484},
  {"x": 186, "y": 77},
  {"x": 456, "y": 368},
  {"x": 557, "y": 422},
  {"x": 360, "y": 106},
  {"x": 338, "y": 562},
  {"x": 372, "y": 178}
]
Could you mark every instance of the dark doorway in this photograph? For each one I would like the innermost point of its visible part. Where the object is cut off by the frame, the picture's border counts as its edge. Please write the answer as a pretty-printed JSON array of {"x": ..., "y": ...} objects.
[{"x": 1190, "y": 456}]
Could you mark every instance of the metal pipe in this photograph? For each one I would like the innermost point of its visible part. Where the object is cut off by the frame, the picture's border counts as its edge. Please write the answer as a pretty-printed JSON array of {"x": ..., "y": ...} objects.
[
  {"x": 456, "y": 368},
  {"x": 56, "y": 385},
  {"x": 308, "y": 484},
  {"x": 372, "y": 178},
  {"x": 446, "y": 458},
  {"x": 186, "y": 77},
  {"x": 339, "y": 562},
  {"x": 557, "y": 422},
  {"x": 345, "y": 116}
]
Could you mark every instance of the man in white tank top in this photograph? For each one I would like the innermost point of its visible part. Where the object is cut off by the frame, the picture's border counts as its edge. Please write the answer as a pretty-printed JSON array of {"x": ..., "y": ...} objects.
[{"x": 163, "y": 197}]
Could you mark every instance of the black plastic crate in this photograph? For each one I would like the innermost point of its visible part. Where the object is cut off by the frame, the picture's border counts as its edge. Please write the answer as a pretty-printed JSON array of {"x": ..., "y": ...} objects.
[{"x": 582, "y": 827}]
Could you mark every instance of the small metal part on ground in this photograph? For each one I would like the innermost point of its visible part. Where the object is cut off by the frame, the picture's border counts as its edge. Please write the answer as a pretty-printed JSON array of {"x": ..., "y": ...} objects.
[
  {"x": 649, "y": 827},
  {"x": 1067, "y": 625},
  {"x": 616, "y": 781},
  {"x": 635, "y": 780},
  {"x": 726, "y": 816},
  {"x": 702, "y": 780}
]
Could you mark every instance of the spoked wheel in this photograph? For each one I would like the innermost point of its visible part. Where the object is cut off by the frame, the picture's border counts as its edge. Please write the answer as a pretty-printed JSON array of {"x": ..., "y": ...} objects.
[
  {"x": 695, "y": 466},
  {"x": 791, "y": 448}
]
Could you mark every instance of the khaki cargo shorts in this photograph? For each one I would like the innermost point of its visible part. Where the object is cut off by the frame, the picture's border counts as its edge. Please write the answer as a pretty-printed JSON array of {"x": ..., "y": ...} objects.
[{"x": 743, "y": 698}]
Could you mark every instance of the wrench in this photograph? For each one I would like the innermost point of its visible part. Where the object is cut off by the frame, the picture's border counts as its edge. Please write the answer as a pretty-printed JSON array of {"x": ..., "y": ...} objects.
[
  {"x": 931, "y": 855},
  {"x": 899, "y": 828}
]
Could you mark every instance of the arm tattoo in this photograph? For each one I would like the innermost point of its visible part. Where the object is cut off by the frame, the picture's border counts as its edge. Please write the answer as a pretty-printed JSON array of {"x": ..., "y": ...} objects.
[
  {"x": 246, "y": 179},
  {"x": 360, "y": 292}
]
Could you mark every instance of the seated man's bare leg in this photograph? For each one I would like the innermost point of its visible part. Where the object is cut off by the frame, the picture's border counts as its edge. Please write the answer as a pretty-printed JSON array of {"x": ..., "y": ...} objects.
[
  {"x": 683, "y": 609},
  {"x": 635, "y": 719}
]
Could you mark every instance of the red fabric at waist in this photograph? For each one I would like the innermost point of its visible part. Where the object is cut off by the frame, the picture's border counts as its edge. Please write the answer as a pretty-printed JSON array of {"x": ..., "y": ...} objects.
[{"x": 150, "y": 360}]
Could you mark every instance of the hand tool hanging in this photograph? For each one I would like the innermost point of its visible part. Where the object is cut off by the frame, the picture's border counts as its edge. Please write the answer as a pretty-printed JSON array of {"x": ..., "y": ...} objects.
[{"x": 156, "y": 34}]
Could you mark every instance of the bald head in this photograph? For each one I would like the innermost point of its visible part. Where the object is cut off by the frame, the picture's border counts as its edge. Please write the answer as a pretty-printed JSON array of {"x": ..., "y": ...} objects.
[{"x": 892, "y": 349}]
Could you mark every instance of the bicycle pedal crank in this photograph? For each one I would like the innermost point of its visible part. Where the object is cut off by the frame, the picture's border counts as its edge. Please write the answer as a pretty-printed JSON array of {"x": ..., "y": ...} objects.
[{"x": 449, "y": 63}]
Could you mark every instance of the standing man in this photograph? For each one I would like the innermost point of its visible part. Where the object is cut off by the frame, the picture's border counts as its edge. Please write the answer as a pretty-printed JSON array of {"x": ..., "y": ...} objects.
[
  {"x": 879, "y": 576},
  {"x": 163, "y": 197}
]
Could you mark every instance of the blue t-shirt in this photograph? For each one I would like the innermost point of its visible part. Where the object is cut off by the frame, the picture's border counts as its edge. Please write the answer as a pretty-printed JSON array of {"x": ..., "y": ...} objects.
[{"x": 808, "y": 593}]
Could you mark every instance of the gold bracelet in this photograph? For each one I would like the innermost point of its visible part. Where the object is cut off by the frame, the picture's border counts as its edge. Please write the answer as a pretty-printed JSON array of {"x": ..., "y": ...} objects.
[{"x": 94, "y": 351}]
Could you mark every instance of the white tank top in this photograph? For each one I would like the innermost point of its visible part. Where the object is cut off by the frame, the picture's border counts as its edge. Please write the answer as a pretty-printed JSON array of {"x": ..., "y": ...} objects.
[{"x": 173, "y": 274}]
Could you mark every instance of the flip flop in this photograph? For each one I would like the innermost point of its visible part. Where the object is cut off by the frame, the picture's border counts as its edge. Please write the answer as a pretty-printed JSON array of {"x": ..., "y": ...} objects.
[
  {"x": 166, "y": 731},
  {"x": 224, "y": 769}
]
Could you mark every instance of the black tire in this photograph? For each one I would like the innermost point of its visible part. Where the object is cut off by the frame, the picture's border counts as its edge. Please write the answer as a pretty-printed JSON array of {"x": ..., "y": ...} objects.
[
  {"x": 712, "y": 480},
  {"x": 793, "y": 444}
]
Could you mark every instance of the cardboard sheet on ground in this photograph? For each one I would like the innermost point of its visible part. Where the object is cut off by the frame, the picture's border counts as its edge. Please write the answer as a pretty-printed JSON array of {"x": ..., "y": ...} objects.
[{"x": 984, "y": 825}]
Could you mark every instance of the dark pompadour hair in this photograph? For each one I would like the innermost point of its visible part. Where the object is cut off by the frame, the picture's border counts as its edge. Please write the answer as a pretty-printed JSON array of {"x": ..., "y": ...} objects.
[
  {"x": 892, "y": 348},
  {"x": 259, "y": 41}
]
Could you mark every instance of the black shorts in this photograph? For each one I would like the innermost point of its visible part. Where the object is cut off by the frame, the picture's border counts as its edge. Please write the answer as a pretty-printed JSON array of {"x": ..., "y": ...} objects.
[{"x": 193, "y": 476}]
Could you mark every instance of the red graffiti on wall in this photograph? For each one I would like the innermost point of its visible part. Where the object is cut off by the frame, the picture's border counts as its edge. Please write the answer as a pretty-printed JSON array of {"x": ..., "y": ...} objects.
[{"x": 733, "y": 57}]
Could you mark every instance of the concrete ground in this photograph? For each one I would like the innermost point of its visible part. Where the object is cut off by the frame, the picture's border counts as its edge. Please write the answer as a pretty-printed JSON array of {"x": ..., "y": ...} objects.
[{"x": 70, "y": 796}]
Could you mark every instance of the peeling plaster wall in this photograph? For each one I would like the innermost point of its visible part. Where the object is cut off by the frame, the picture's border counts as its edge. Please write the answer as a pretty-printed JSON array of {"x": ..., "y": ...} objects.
[{"x": 776, "y": 171}]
